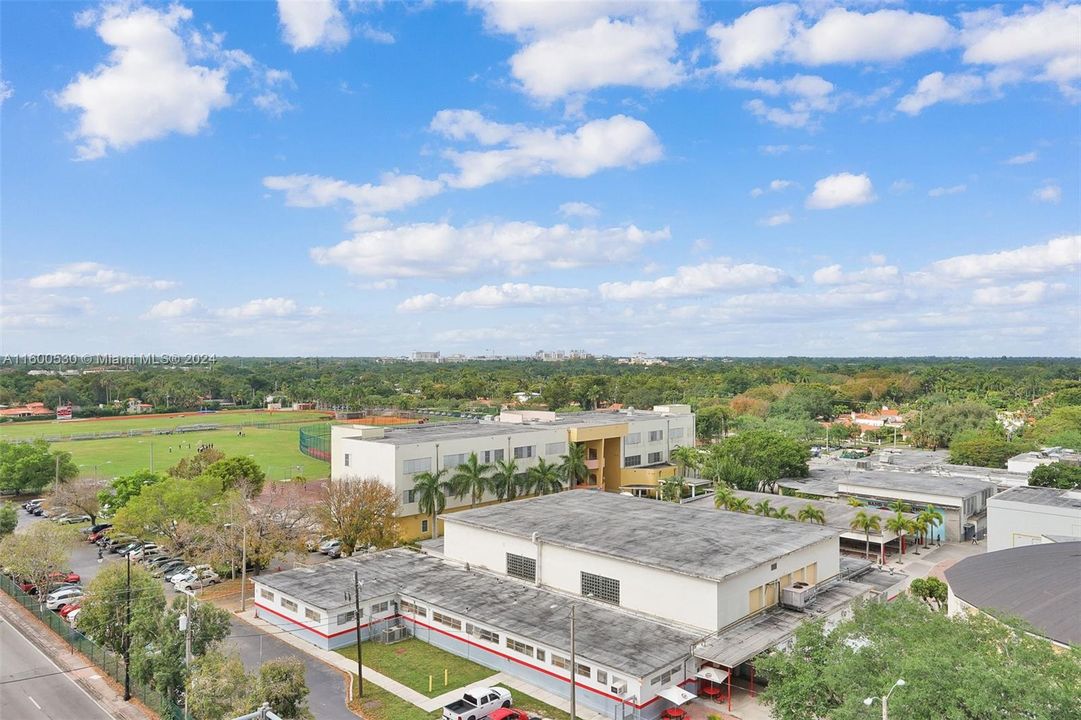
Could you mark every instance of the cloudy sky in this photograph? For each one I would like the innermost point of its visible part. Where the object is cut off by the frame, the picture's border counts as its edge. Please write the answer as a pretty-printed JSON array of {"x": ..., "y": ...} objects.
[{"x": 364, "y": 178}]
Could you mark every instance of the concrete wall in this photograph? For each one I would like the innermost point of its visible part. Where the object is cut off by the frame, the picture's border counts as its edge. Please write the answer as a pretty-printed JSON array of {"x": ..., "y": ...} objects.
[{"x": 1010, "y": 524}]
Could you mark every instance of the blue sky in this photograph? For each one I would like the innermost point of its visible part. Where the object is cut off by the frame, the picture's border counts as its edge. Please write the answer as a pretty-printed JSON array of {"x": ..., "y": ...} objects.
[{"x": 362, "y": 178}]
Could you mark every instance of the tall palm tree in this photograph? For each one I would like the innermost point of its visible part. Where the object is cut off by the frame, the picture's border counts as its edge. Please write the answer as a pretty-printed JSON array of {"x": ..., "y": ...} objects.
[
  {"x": 739, "y": 504},
  {"x": 932, "y": 517},
  {"x": 573, "y": 464},
  {"x": 504, "y": 480},
  {"x": 431, "y": 493},
  {"x": 900, "y": 506},
  {"x": 722, "y": 496},
  {"x": 544, "y": 478},
  {"x": 672, "y": 488},
  {"x": 471, "y": 478},
  {"x": 915, "y": 527},
  {"x": 685, "y": 457},
  {"x": 763, "y": 508},
  {"x": 898, "y": 524},
  {"x": 782, "y": 513},
  {"x": 866, "y": 523},
  {"x": 809, "y": 513}
]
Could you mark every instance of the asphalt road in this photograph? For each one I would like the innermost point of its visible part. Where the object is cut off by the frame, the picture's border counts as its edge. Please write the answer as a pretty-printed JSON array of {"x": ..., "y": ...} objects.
[{"x": 31, "y": 686}]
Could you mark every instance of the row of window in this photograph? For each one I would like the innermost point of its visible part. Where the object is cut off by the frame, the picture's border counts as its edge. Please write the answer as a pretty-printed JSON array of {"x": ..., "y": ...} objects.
[
  {"x": 667, "y": 676},
  {"x": 315, "y": 616},
  {"x": 408, "y": 608},
  {"x": 651, "y": 459}
]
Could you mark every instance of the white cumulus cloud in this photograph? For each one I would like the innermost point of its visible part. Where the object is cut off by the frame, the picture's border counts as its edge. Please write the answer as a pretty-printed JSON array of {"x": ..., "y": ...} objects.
[
  {"x": 96, "y": 275},
  {"x": 697, "y": 280},
  {"x": 950, "y": 190},
  {"x": 393, "y": 192},
  {"x": 842, "y": 189},
  {"x": 313, "y": 23},
  {"x": 1048, "y": 193},
  {"x": 1023, "y": 159},
  {"x": 1021, "y": 294},
  {"x": 176, "y": 308},
  {"x": 497, "y": 296},
  {"x": 836, "y": 275},
  {"x": 782, "y": 217},
  {"x": 260, "y": 308},
  {"x": 578, "y": 209},
  {"x": 1062, "y": 254}
]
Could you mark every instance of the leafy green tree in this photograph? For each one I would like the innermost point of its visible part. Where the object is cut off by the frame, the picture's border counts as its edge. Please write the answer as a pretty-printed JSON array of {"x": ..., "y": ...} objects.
[
  {"x": 173, "y": 511},
  {"x": 985, "y": 449},
  {"x": 968, "y": 666},
  {"x": 768, "y": 454},
  {"x": 937, "y": 426},
  {"x": 506, "y": 480},
  {"x": 9, "y": 518},
  {"x": 219, "y": 687},
  {"x": 544, "y": 478},
  {"x": 671, "y": 488},
  {"x": 431, "y": 492},
  {"x": 1056, "y": 475},
  {"x": 125, "y": 487},
  {"x": 103, "y": 616},
  {"x": 685, "y": 456},
  {"x": 867, "y": 523},
  {"x": 724, "y": 470},
  {"x": 38, "y": 552},
  {"x": 928, "y": 519},
  {"x": 472, "y": 478},
  {"x": 281, "y": 684},
  {"x": 573, "y": 465},
  {"x": 806, "y": 402},
  {"x": 237, "y": 471},
  {"x": 712, "y": 421},
  {"x": 29, "y": 467},
  {"x": 197, "y": 464},
  {"x": 931, "y": 590},
  {"x": 1060, "y": 428},
  {"x": 810, "y": 513}
]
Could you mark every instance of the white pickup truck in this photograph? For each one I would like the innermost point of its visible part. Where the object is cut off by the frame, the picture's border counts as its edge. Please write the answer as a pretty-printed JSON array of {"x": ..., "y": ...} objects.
[{"x": 477, "y": 703}]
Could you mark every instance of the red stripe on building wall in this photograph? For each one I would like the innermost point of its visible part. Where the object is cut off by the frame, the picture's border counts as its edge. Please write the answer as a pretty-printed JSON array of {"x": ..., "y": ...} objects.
[{"x": 313, "y": 630}]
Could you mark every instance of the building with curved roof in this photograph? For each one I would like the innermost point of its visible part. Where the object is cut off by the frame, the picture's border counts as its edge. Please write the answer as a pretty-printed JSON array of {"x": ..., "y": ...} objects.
[{"x": 1038, "y": 584}]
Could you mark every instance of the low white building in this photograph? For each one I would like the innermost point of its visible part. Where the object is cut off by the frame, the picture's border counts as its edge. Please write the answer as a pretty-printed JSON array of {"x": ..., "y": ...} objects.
[
  {"x": 1026, "y": 515},
  {"x": 1028, "y": 461},
  {"x": 620, "y": 448}
]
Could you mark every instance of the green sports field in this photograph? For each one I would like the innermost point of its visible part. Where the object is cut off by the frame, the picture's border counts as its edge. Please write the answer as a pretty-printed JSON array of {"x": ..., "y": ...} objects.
[{"x": 68, "y": 428}]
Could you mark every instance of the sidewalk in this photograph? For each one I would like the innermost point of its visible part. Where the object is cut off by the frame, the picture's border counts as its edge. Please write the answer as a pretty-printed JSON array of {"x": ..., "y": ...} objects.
[
  {"x": 391, "y": 685},
  {"x": 77, "y": 666}
]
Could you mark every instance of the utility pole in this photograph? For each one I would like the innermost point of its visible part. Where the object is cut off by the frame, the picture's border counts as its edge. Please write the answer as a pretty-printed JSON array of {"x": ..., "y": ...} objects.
[
  {"x": 360, "y": 650},
  {"x": 243, "y": 569},
  {"x": 574, "y": 668},
  {"x": 186, "y": 622},
  {"x": 56, "y": 473},
  {"x": 127, "y": 634},
  {"x": 151, "y": 456}
]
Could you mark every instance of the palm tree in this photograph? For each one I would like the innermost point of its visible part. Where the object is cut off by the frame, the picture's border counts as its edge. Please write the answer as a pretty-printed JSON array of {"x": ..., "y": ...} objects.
[
  {"x": 763, "y": 508},
  {"x": 809, "y": 513},
  {"x": 504, "y": 480},
  {"x": 866, "y": 523},
  {"x": 898, "y": 524},
  {"x": 722, "y": 496},
  {"x": 900, "y": 506},
  {"x": 431, "y": 493},
  {"x": 855, "y": 502},
  {"x": 471, "y": 478},
  {"x": 932, "y": 517},
  {"x": 672, "y": 488},
  {"x": 544, "y": 478},
  {"x": 685, "y": 457},
  {"x": 573, "y": 465},
  {"x": 782, "y": 513},
  {"x": 739, "y": 504},
  {"x": 913, "y": 525}
]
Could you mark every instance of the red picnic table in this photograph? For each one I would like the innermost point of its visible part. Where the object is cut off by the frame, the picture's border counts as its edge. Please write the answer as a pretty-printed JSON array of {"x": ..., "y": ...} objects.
[
  {"x": 674, "y": 713},
  {"x": 711, "y": 692}
]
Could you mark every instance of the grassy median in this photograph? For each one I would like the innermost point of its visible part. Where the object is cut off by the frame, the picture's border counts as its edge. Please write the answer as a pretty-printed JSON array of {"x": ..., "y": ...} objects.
[{"x": 412, "y": 661}]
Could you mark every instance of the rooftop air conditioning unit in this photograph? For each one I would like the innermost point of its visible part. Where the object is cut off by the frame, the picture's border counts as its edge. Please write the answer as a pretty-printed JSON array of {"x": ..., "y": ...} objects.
[
  {"x": 394, "y": 634},
  {"x": 620, "y": 689},
  {"x": 862, "y": 465},
  {"x": 798, "y": 596}
]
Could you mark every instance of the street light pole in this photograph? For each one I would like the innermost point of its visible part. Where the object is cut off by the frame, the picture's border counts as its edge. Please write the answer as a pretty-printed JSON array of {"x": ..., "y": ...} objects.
[
  {"x": 243, "y": 568},
  {"x": 885, "y": 699},
  {"x": 127, "y": 634},
  {"x": 360, "y": 650}
]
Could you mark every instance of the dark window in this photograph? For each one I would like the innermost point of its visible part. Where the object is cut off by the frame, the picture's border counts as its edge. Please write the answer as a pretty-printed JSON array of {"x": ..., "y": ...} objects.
[{"x": 600, "y": 587}]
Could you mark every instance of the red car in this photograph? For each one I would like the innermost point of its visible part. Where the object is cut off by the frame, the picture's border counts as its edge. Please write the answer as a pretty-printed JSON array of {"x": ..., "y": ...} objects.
[
  {"x": 58, "y": 578},
  {"x": 68, "y": 609},
  {"x": 94, "y": 537},
  {"x": 510, "y": 714}
]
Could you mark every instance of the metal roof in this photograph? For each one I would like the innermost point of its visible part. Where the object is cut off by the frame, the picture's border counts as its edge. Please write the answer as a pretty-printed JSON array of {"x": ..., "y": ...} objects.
[
  {"x": 686, "y": 539},
  {"x": 1040, "y": 584},
  {"x": 616, "y": 639},
  {"x": 1032, "y": 495}
]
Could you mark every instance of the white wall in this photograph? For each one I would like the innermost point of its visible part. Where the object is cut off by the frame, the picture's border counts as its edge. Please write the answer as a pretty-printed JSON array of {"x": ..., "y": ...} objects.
[{"x": 1010, "y": 524}]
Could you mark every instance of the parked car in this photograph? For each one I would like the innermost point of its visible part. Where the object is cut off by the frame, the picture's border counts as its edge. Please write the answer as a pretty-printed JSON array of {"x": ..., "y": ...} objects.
[
  {"x": 331, "y": 546},
  {"x": 477, "y": 703},
  {"x": 73, "y": 616},
  {"x": 95, "y": 529},
  {"x": 95, "y": 537},
  {"x": 72, "y": 519},
  {"x": 159, "y": 560},
  {"x": 313, "y": 543},
  {"x": 130, "y": 547},
  {"x": 167, "y": 570},
  {"x": 113, "y": 543},
  {"x": 511, "y": 714},
  {"x": 190, "y": 572},
  {"x": 38, "y": 510},
  {"x": 70, "y": 608},
  {"x": 31, "y": 505},
  {"x": 140, "y": 552},
  {"x": 204, "y": 578},
  {"x": 69, "y": 578},
  {"x": 59, "y": 598}
]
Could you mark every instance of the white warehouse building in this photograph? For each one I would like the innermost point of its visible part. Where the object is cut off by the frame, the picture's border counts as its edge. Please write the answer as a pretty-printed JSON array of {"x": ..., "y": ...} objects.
[
  {"x": 667, "y": 596},
  {"x": 1031, "y": 516},
  {"x": 624, "y": 449}
]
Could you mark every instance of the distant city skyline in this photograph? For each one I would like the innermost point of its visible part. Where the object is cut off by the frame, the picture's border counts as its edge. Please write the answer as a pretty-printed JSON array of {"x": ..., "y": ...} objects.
[{"x": 672, "y": 178}]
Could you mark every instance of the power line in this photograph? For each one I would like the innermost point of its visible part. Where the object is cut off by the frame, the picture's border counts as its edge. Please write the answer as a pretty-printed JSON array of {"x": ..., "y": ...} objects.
[{"x": 48, "y": 674}]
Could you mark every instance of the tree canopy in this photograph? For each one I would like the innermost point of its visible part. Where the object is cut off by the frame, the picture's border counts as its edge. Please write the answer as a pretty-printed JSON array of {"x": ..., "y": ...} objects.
[
  {"x": 1056, "y": 475},
  {"x": 29, "y": 467},
  {"x": 766, "y": 455}
]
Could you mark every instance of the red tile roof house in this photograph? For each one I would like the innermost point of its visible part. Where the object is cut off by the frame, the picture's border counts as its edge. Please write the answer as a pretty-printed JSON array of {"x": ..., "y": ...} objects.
[{"x": 33, "y": 409}]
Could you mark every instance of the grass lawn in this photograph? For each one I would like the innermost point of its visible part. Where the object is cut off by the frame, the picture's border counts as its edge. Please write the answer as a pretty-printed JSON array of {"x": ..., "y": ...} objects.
[
  {"x": 533, "y": 706},
  {"x": 378, "y": 704},
  {"x": 411, "y": 661},
  {"x": 54, "y": 428},
  {"x": 274, "y": 449}
]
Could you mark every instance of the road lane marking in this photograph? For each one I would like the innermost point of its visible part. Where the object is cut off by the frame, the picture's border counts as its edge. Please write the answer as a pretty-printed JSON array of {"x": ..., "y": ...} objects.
[{"x": 34, "y": 701}]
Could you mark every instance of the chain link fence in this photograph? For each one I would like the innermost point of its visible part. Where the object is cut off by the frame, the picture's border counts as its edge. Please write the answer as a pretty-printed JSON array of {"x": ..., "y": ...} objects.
[{"x": 104, "y": 659}]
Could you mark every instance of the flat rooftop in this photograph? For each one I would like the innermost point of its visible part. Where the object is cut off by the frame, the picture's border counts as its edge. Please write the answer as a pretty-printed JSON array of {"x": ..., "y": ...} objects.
[
  {"x": 687, "y": 539},
  {"x": 1031, "y": 495},
  {"x": 1036, "y": 583},
  {"x": 956, "y": 487},
  {"x": 439, "y": 432},
  {"x": 617, "y": 639},
  {"x": 838, "y": 515}
]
